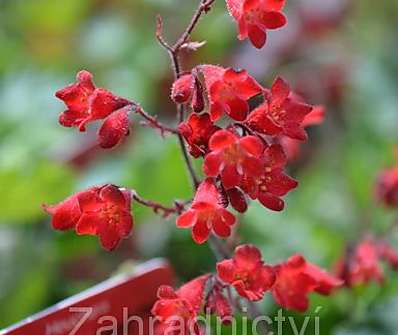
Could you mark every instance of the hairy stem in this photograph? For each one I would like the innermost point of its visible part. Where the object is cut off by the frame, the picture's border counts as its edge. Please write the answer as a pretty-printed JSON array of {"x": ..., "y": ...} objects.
[{"x": 178, "y": 207}]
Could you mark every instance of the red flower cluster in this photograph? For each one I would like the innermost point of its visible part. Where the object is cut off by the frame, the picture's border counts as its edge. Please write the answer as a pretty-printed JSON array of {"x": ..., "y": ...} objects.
[
  {"x": 241, "y": 158},
  {"x": 363, "y": 264},
  {"x": 177, "y": 310},
  {"x": 387, "y": 187},
  {"x": 87, "y": 103},
  {"x": 207, "y": 214},
  {"x": 255, "y": 17},
  {"x": 103, "y": 211},
  {"x": 289, "y": 282}
]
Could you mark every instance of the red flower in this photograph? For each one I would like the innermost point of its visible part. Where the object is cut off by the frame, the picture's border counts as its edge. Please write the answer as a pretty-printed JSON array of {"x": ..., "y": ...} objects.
[
  {"x": 269, "y": 186},
  {"x": 387, "y": 187},
  {"x": 361, "y": 265},
  {"x": 296, "y": 278},
  {"x": 218, "y": 304},
  {"x": 232, "y": 157},
  {"x": 182, "y": 305},
  {"x": 254, "y": 17},
  {"x": 229, "y": 91},
  {"x": 197, "y": 131},
  {"x": 206, "y": 214},
  {"x": 247, "y": 273},
  {"x": 114, "y": 128},
  {"x": 102, "y": 211},
  {"x": 280, "y": 114},
  {"x": 86, "y": 103},
  {"x": 105, "y": 213}
]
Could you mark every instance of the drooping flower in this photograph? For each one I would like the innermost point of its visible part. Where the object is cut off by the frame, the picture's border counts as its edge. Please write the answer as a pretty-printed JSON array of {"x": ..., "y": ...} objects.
[
  {"x": 197, "y": 131},
  {"x": 207, "y": 214},
  {"x": 361, "y": 265},
  {"x": 280, "y": 114},
  {"x": 182, "y": 306},
  {"x": 255, "y": 17},
  {"x": 86, "y": 102},
  {"x": 103, "y": 211},
  {"x": 272, "y": 183},
  {"x": 296, "y": 278},
  {"x": 229, "y": 90},
  {"x": 218, "y": 304},
  {"x": 115, "y": 128},
  {"x": 247, "y": 273},
  {"x": 387, "y": 187},
  {"x": 232, "y": 157}
]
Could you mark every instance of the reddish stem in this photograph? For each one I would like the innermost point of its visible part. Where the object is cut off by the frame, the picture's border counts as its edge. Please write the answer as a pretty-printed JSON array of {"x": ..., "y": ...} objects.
[
  {"x": 152, "y": 121},
  {"x": 178, "y": 207}
]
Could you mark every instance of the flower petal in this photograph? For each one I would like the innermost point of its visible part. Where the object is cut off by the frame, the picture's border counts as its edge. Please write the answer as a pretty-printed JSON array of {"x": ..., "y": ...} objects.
[
  {"x": 280, "y": 90},
  {"x": 186, "y": 219},
  {"x": 221, "y": 139},
  {"x": 252, "y": 145},
  {"x": 88, "y": 224},
  {"x": 271, "y": 202},
  {"x": 225, "y": 270},
  {"x": 273, "y": 20},
  {"x": 230, "y": 176},
  {"x": 200, "y": 231},
  {"x": 257, "y": 36},
  {"x": 247, "y": 257}
]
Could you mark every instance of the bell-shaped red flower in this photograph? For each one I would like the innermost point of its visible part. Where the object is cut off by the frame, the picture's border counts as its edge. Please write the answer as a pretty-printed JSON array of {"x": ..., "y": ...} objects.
[
  {"x": 255, "y": 17},
  {"x": 103, "y": 211},
  {"x": 296, "y": 278},
  {"x": 232, "y": 157},
  {"x": 197, "y": 131},
  {"x": 247, "y": 273},
  {"x": 218, "y": 304},
  {"x": 207, "y": 214},
  {"x": 272, "y": 183},
  {"x": 361, "y": 265},
  {"x": 86, "y": 102},
  {"x": 280, "y": 114},
  {"x": 183, "y": 305}
]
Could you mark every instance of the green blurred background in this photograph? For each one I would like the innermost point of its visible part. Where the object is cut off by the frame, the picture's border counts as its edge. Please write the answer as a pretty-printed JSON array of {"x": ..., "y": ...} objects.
[{"x": 340, "y": 53}]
